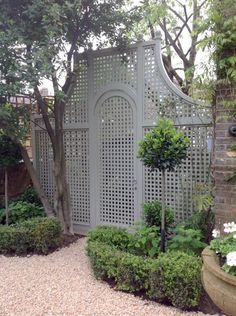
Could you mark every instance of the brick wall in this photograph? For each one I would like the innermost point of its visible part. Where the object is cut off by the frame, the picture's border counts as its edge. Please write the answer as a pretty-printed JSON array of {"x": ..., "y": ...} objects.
[{"x": 224, "y": 159}]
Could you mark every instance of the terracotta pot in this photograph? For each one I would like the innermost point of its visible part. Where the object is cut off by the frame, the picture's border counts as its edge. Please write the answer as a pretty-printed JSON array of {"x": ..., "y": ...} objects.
[{"x": 220, "y": 286}]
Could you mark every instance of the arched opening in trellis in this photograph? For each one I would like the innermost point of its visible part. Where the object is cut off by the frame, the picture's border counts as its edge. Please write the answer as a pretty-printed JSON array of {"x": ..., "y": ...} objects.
[{"x": 116, "y": 99}]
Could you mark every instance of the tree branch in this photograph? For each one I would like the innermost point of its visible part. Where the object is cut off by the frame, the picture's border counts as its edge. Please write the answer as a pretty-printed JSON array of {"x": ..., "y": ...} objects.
[{"x": 43, "y": 107}]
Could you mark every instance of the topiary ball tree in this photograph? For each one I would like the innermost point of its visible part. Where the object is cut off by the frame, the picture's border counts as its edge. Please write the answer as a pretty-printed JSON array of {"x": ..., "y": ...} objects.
[{"x": 163, "y": 148}]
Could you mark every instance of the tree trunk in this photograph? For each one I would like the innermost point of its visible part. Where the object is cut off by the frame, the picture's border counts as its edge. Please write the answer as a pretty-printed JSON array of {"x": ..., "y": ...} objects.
[
  {"x": 62, "y": 198},
  {"x": 163, "y": 233},
  {"x": 34, "y": 177},
  {"x": 6, "y": 197}
]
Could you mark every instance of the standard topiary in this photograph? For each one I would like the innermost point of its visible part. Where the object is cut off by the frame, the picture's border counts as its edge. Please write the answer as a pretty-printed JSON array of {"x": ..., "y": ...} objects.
[
  {"x": 163, "y": 149},
  {"x": 176, "y": 276}
]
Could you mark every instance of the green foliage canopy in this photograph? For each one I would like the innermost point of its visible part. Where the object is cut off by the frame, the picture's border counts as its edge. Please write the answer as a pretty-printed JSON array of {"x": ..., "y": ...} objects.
[
  {"x": 10, "y": 153},
  {"x": 164, "y": 147}
]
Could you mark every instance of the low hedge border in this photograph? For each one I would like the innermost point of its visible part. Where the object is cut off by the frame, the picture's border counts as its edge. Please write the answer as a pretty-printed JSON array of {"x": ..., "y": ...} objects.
[
  {"x": 174, "y": 276},
  {"x": 37, "y": 235}
]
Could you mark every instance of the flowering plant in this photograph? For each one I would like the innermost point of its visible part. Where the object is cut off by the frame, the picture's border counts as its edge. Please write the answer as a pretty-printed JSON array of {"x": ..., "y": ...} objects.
[{"x": 225, "y": 246}]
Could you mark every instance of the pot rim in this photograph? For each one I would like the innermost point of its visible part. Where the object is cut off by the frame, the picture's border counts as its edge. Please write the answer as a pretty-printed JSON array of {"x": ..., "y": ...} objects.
[{"x": 211, "y": 263}]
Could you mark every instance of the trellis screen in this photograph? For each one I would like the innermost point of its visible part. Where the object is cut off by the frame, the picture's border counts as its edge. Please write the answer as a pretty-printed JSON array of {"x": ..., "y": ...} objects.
[{"x": 116, "y": 99}]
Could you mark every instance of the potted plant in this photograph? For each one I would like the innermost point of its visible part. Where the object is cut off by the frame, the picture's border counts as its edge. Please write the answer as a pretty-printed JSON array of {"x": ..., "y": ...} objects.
[{"x": 219, "y": 269}]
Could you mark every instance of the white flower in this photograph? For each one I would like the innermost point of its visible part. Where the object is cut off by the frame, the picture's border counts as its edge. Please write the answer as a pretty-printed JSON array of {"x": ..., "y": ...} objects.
[
  {"x": 231, "y": 259},
  {"x": 234, "y": 235},
  {"x": 229, "y": 227},
  {"x": 215, "y": 233}
]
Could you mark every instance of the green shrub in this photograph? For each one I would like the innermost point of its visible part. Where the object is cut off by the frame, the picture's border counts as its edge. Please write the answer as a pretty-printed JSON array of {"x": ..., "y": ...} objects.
[
  {"x": 187, "y": 240},
  {"x": 132, "y": 272},
  {"x": 176, "y": 276},
  {"x": 46, "y": 234},
  {"x": 39, "y": 235},
  {"x": 14, "y": 240},
  {"x": 203, "y": 220},
  {"x": 104, "y": 259},
  {"x": 30, "y": 195},
  {"x": 145, "y": 241},
  {"x": 20, "y": 211},
  {"x": 116, "y": 237},
  {"x": 152, "y": 214}
]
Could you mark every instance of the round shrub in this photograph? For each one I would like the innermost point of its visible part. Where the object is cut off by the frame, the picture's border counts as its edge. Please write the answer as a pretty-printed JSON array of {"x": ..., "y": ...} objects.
[
  {"x": 176, "y": 276},
  {"x": 116, "y": 237},
  {"x": 152, "y": 214},
  {"x": 46, "y": 234},
  {"x": 14, "y": 240}
]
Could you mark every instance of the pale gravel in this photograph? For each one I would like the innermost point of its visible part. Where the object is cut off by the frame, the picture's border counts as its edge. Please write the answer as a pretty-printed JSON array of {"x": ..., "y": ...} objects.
[{"x": 62, "y": 283}]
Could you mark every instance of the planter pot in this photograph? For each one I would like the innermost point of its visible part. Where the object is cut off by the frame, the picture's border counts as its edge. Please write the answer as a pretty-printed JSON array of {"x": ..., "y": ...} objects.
[{"x": 220, "y": 286}]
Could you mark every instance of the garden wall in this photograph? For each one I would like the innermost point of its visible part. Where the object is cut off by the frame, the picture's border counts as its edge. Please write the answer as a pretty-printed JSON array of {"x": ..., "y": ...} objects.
[
  {"x": 18, "y": 180},
  {"x": 224, "y": 160}
]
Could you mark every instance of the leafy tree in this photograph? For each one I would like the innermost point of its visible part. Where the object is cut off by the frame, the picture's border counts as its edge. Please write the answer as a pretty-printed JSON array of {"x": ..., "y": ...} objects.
[
  {"x": 14, "y": 122},
  {"x": 163, "y": 148},
  {"x": 10, "y": 155},
  {"x": 183, "y": 29},
  {"x": 38, "y": 40}
]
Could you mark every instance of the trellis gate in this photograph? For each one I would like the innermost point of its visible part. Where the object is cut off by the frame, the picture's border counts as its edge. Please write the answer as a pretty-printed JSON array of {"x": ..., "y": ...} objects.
[{"x": 115, "y": 100}]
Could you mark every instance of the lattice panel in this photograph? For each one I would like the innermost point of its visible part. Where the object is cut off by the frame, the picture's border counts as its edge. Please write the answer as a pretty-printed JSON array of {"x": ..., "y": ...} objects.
[
  {"x": 77, "y": 108},
  {"x": 77, "y": 163},
  {"x": 156, "y": 92},
  {"x": 180, "y": 184},
  {"x": 116, "y": 162},
  {"x": 44, "y": 162},
  {"x": 120, "y": 68}
]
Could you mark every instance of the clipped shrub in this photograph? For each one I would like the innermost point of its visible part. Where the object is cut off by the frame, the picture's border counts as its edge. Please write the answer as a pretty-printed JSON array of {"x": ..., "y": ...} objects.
[
  {"x": 152, "y": 214},
  {"x": 104, "y": 259},
  {"x": 176, "y": 276},
  {"x": 116, "y": 237},
  {"x": 39, "y": 235},
  {"x": 45, "y": 233},
  {"x": 14, "y": 240},
  {"x": 30, "y": 196},
  {"x": 132, "y": 272},
  {"x": 187, "y": 240},
  {"x": 145, "y": 241}
]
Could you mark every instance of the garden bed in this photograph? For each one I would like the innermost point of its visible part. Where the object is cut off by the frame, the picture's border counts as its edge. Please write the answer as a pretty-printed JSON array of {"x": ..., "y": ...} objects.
[{"x": 173, "y": 277}]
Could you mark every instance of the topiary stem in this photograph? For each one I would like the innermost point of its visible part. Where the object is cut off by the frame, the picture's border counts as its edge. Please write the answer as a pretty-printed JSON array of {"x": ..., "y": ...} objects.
[
  {"x": 6, "y": 196},
  {"x": 163, "y": 234}
]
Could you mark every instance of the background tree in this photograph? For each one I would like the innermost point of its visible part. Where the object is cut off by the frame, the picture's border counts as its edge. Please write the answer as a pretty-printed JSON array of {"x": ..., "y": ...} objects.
[
  {"x": 14, "y": 122},
  {"x": 10, "y": 156},
  {"x": 183, "y": 29},
  {"x": 38, "y": 39},
  {"x": 163, "y": 148}
]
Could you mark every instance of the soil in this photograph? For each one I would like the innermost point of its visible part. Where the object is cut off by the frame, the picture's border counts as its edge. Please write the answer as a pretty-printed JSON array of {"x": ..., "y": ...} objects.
[{"x": 70, "y": 239}]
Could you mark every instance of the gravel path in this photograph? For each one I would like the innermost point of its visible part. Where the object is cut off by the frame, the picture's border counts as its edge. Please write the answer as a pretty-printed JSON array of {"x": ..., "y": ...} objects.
[{"x": 62, "y": 283}]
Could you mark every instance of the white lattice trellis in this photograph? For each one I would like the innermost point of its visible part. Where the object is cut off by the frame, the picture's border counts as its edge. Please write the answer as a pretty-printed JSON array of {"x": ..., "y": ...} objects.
[
  {"x": 116, "y": 162},
  {"x": 115, "y": 100}
]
